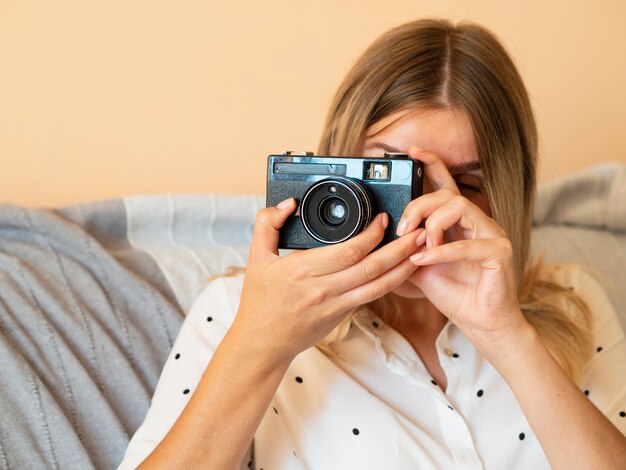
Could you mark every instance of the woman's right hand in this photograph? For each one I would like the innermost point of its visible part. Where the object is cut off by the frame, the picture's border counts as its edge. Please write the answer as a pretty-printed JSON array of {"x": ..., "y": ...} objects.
[{"x": 290, "y": 303}]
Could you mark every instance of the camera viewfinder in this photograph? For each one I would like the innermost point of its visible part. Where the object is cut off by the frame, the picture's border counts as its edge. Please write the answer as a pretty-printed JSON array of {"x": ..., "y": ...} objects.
[{"x": 377, "y": 171}]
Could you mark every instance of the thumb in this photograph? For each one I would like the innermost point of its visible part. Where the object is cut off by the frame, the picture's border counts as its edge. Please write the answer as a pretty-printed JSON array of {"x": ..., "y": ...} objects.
[{"x": 267, "y": 228}]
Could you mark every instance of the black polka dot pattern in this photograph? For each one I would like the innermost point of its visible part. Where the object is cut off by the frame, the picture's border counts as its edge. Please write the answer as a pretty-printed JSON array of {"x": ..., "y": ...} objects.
[{"x": 465, "y": 401}]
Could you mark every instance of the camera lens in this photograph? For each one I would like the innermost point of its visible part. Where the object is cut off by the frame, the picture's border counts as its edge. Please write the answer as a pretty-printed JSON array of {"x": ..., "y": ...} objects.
[{"x": 335, "y": 209}]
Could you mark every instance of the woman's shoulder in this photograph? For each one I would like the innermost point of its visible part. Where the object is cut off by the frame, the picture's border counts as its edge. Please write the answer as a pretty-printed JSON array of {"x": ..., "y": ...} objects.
[
  {"x": 603, "y": 375},
  {"x": 222, "y": 291},
  {"x": 219, "y": 300},
  {"x": 593, "y": 288}
]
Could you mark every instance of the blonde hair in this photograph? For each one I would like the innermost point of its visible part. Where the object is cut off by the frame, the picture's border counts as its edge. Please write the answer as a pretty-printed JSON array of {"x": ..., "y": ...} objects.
[{"x": 435, "y": 64}]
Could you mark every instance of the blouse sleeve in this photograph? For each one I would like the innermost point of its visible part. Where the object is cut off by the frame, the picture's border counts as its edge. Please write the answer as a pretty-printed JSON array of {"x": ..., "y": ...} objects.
[
  {"x": 604, "y": 377},
  {"x": 203, "y": 329}
]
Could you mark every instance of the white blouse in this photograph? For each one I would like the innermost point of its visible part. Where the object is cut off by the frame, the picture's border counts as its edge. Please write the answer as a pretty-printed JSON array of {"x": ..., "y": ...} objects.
[{"x": 374, "y": 405}]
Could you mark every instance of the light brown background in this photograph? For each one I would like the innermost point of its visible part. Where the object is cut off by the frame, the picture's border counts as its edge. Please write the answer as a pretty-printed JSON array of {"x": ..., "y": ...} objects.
[{"x": 104, "y": 99}]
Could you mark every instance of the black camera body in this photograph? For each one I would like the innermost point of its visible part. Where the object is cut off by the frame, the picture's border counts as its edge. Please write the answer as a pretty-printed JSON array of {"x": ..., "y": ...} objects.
[{"x": 339, "y": 196}]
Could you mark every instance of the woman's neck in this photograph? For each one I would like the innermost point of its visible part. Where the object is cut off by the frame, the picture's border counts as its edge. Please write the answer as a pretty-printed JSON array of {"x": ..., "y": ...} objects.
[
  {"x": 420, "y": 323},
  {"x": 418, "y": 318}
]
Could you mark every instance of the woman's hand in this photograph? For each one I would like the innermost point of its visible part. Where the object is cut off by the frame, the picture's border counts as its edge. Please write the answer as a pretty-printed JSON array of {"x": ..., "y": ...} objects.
[
  {"x": 290, "y": 303},
  {"x": 466, "y": 267}
]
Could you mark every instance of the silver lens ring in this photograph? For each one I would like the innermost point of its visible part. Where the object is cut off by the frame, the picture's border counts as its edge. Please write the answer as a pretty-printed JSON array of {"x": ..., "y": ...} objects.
[{"x": 360, "y": 196}]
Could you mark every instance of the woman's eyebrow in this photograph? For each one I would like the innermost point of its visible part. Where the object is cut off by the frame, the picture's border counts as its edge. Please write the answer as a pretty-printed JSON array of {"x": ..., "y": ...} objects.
[
  {"x": 466, "y": 167},
  {"x": 383, "y": 146},
  {"x": 461, "y": 168}
]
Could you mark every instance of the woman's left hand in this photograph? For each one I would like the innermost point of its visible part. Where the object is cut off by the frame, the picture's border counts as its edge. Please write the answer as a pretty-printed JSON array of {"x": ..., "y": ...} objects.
[{"x": 466, "y": 268}]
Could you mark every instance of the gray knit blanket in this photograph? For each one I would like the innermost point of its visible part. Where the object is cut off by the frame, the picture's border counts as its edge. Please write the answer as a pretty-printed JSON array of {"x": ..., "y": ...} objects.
[{"x": 92, "y": 297}]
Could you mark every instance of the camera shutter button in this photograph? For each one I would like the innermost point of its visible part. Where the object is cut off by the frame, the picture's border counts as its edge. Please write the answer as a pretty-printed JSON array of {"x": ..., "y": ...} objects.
[{"x": 402, "y": 170}]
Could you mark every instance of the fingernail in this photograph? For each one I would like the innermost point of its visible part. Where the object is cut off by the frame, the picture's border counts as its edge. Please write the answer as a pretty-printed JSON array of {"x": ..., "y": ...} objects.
[
  {"x": 385, "y": 220},
  {"x": 421, "y": 238},
  {"x": 284, "y": 204},
  {"x": 417, "y": 257},
  {"x": 402, "y": 226}
]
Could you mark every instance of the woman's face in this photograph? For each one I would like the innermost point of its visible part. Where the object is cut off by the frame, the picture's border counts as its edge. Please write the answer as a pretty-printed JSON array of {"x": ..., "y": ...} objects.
[{"x": 444, "y": 132}]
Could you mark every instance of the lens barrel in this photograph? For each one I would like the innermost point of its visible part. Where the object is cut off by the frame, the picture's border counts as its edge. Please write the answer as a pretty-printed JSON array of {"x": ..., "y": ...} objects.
[{"x": 335, "y": 209}]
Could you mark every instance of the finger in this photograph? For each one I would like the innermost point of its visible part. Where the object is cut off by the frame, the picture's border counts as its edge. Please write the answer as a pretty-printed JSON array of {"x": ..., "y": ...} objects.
[
  {"x": 491, "y": 253},
  {"x": 419, "y": 209},
  {"x": 435, "y": 170},
  {"x": 378, "y": 287},
  {"x": 469, "y": 219},
  {"x": 332, "y": 258},
  {"x": 267, "y": 229},
  {"x": 376, "y": 264}
]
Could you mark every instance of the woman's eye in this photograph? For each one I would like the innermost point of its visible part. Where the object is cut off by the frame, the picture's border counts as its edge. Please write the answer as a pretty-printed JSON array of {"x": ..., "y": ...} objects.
[
  {"x": 468, "y": 183},
  {"x": 469, "y": 187}
]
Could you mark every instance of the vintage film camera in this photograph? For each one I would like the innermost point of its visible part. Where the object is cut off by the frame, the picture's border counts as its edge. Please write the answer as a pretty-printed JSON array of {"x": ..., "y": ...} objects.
[{"x": 339, "y": 196}]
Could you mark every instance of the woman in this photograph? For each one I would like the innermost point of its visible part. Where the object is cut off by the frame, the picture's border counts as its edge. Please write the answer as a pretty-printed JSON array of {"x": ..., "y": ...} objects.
[{"x": 445, "y": 347}]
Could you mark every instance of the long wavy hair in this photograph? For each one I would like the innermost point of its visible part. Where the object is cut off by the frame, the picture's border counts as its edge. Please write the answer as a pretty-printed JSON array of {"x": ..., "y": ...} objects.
[{"x": 434, "y": 64}]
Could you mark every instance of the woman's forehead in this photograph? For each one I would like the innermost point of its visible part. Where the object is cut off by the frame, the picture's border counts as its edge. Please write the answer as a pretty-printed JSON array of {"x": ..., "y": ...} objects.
[
  {"x": 387, "y": 121},
  {"x": 446, "y": 132}
]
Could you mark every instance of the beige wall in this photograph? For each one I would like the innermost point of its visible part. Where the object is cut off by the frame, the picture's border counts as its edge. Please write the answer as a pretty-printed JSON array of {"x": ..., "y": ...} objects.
[{"x": 104, "y": 99}]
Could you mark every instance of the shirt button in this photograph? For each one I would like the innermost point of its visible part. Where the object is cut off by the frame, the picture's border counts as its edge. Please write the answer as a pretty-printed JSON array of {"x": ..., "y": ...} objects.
[{"x": 449, "y": 352}]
